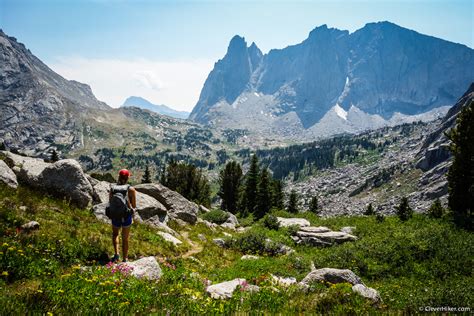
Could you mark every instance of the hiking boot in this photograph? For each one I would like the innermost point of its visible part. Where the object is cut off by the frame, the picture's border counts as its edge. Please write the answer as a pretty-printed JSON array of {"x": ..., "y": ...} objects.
[{"x": 115, "y": 258}]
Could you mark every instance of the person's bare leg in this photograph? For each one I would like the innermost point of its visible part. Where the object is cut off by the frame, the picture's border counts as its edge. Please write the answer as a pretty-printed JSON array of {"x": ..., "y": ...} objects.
[
  {"x": 125, "y": 237},
  {"x": 115, "y": 241}
]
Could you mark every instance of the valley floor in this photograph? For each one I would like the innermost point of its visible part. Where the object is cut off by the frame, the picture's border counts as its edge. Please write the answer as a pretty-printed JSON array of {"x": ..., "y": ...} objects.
[{"x": 420, "y": 263}]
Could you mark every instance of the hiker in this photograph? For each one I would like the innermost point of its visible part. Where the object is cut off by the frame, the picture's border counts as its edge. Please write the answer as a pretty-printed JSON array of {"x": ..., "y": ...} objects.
[{"x": 122, "y": 203}]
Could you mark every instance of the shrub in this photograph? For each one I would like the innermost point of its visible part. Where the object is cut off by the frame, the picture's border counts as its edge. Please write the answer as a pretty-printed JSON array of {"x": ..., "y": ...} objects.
[
  {"x": 216, "y": 216},
  {"x": 293, "y": 229},
  {"x": 104, "y": 177},
  {"x": 404, "y": 211},
  {"x": 380, "y": 217},
  {"x": 251, "y": 242},
  {"x": 436, "y": 210},
  {"x": 271, "y": 222},
  {"x": 370, "y": 210}
]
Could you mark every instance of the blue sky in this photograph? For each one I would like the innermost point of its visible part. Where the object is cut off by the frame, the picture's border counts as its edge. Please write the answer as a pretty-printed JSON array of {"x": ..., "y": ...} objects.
[{"x": 164, "y": 50}]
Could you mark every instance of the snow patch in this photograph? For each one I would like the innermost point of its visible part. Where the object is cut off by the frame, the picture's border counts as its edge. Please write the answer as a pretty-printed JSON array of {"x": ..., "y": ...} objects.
[
  {"x": 340, "y": 112},
  {"x": 256, "y": 94}
]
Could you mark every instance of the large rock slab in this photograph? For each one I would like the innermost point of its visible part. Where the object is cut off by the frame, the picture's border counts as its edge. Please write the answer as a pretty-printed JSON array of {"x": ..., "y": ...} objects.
[
  {"x": 367, "y": 292},
  {"x": 329, "y": 237},
  {"x": 231, "y": 223},
  {"x": 286, "y": 222},
  {"x": 177, "y": 205},
  {"x": 28, "y": 170},
  {"x": 65, "y": 178},
  {"x": 147, "y": 268},
  {"x": 225, "y": 289},
  {"x": 314, "y": 229},
  {"x": 332, "y": 276},
  {"x": 7, "y": 176}
]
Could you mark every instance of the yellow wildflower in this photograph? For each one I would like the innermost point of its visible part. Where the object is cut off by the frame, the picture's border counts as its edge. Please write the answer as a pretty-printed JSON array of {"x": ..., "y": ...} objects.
[
  {"x": 39, "y": 291},
  {"x": 1, "y": 252},
  {"x": 76, "y": 267},
  {"x": 49, "y": 314},
  {"x": 5, "y": 273},
  {"x": 5, "y": 244},
  {"x": 20, "y": 251},
  {"x": 60, "y": 291}
]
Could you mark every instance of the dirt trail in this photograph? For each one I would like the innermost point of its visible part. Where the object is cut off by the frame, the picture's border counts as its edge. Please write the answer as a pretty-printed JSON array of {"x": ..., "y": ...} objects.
[{"x": 195, "y": 248}]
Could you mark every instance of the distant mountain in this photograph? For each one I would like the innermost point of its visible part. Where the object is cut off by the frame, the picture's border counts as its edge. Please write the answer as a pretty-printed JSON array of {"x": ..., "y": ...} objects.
[
  {"x": 157, "y": 108},
  {"x": 382, "y": 69}
]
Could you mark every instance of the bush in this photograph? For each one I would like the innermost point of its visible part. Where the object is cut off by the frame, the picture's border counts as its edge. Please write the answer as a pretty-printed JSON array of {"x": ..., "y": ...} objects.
[
  {"x": 271, "y": 222},
  {"x": 380, "y": 217},
  {"x": 104, "y": 177},
  {"x": 216, "y": 216},
  {"x": 436, "y": 210},
  {"x": 292, "y": 230},
  {"x": 404, "y": 211},
  {"x": 251, "y": 242},
  {"x": 370, "y": 210}
]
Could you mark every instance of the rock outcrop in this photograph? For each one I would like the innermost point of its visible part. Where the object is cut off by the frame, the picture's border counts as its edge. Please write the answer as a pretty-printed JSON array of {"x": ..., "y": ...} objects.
[
  {"x": 65, "y": 178},
  {"x": 177, "y": 206},
  {"x": 226, "y": 289},
  {"x": 286, "y": 222},
  {"x": 7, "y": 176},
  {"x": 332, "y": 276}
]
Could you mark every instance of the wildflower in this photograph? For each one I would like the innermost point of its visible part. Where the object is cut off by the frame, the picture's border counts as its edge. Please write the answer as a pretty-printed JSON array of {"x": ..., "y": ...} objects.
[
  {"x": 66, "y": 275},
  {"x": 5, "y": 244},
  {"x": 20, "y": 251},
  {"x": 60, "y": 291},
  {"x": 115, "y": 291},
  {"x": 39, "y": 291},
  {"x": 76, "y": 267},
  {"x": 1, "y": 252},
  {"x": 11, "y": 248},
  {"x": 5, "y": 273},
  {"x": 49, "y": 314}
]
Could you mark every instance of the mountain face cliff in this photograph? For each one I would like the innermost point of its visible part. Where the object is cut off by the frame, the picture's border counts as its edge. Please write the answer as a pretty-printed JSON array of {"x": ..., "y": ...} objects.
[
  {"x": 37, "y": 106},
  {"x": 383, "y": 70}
]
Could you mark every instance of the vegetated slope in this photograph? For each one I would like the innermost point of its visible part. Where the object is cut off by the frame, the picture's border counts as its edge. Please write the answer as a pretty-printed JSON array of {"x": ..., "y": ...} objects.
[
  {"x": 421, "y": 262},
  {"x": 375, "y": 76}
]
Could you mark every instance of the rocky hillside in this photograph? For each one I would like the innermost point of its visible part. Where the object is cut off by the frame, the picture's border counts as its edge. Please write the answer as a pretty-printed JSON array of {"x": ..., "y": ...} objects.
[
  {"x": 375, "y": 75},
  {"x": 41, "y": 111}
]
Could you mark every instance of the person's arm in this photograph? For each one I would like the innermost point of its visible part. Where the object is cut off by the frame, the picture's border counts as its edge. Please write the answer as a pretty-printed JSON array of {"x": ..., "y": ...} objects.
[{"x": 132, "y": 197}]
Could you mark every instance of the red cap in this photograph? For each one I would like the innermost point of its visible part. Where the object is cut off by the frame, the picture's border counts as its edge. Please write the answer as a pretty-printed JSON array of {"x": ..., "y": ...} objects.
[{"x": 124, "y": 173}]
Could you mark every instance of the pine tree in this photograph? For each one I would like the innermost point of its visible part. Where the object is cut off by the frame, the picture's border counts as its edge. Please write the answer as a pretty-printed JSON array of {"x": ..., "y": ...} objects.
[
  {"x": 251, "y": 183},
  {"x": 54, "y": 155},
  {"x": 147, "y": 175},
  {"x": 293, "y": 202},
  {"x": 461, "y": 172},
  {"x": 278, "y": 196},
  {"x": 370, "y": 210},
  {"x": 313, "y": 205},
  {"x": 230, "y": 180},
  {"x": 436, "y": 209},
  {"x": 263, "y": 195},
  {"x": 404, "y": 211},
  {"x": 2, "y": 146}
]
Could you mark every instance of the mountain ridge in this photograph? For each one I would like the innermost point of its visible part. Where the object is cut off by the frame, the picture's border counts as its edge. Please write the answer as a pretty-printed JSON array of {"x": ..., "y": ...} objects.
[
  {"x": 381, "y": 68},
  {"x": 157, "y": 108}
]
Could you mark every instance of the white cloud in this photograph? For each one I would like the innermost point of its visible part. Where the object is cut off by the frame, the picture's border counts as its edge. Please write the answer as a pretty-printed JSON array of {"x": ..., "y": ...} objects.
[{"x": 173, "y": 83}]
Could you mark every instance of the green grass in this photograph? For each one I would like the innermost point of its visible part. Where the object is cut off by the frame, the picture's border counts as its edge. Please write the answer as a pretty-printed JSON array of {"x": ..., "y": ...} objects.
[{"x": 420, "y": 262}]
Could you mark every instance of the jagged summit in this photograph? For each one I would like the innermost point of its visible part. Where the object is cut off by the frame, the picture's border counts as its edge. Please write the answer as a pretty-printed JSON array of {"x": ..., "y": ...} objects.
[{"x": 383, "y": 69}]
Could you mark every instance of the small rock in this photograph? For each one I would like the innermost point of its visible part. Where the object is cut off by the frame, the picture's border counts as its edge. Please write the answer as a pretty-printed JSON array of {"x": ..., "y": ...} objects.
[
  {"x": 33, "y": 225},
  {"x": 249, "y": 257},
  {"x": 147, "y": 268},
  {"x": 348, "y": 229},
  {"x": 220, "y": 242},
  {"x": 367, "y": 292},
  {"x": 224, "y": 289},
  {"x": 170, "y": 238}
]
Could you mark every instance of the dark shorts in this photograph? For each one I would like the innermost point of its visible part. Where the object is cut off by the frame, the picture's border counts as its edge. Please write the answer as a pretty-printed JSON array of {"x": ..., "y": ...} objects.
[{"x": 124, "y": 222}]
